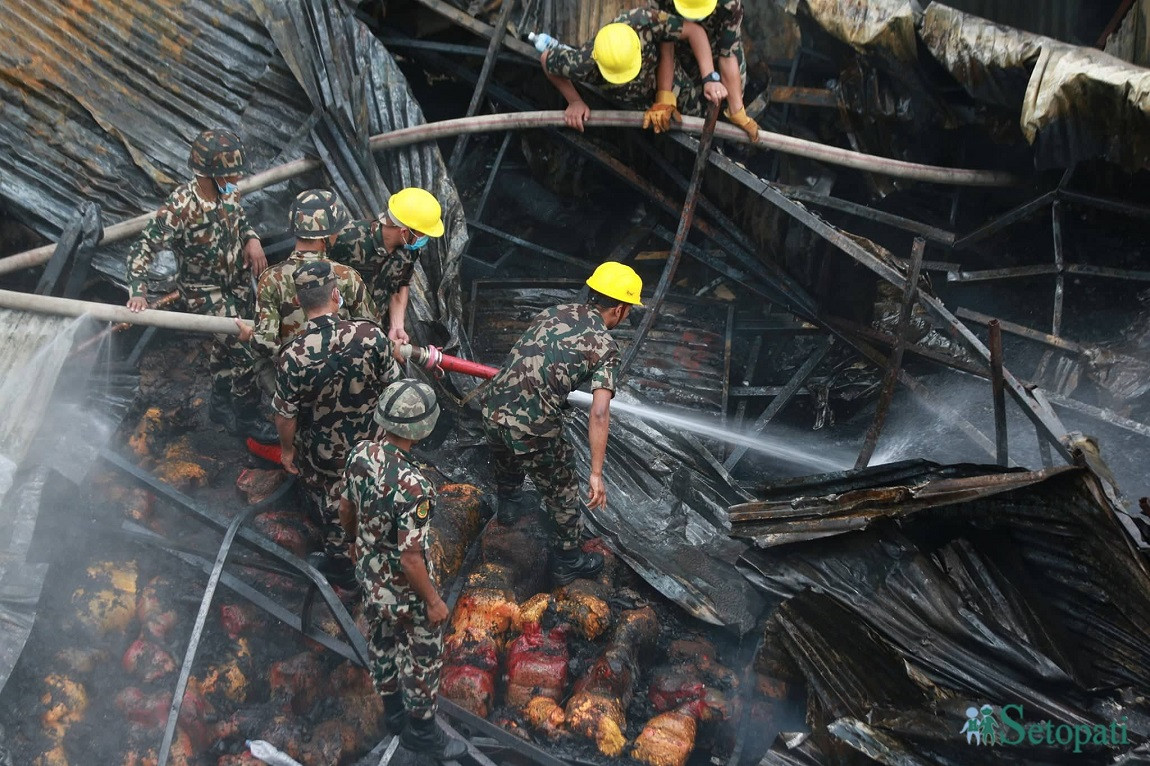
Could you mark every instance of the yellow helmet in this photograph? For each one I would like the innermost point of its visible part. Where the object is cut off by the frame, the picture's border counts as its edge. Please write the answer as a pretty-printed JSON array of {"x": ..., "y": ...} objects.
[
  {"x": 417, "y": 210},
  {"x": 618, "y": 281},
  {"x": 694, "y": 10},
  {"x": 618, "y": 53}
]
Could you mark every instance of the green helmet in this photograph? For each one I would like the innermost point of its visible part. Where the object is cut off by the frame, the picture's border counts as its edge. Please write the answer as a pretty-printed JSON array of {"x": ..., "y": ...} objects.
[
  {"x": 408, "y": 409},
  {"x": 316, "y": 214},
  {"x": 218, "y": 153}
]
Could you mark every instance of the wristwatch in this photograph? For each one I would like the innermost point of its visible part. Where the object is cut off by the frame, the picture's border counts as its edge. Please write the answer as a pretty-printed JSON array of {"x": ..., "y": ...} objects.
[{"x": 712, "y": 77}]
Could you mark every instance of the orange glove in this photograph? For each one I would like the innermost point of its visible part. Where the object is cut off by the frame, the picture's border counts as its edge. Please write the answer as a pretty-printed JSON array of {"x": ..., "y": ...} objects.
[
  {"x": 749, "y": 126},
  {"x": 659, "y": 116}
]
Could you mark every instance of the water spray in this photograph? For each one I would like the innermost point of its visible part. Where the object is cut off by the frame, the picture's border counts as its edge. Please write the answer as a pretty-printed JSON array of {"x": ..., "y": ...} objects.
[{"x": 437, "y": 363}]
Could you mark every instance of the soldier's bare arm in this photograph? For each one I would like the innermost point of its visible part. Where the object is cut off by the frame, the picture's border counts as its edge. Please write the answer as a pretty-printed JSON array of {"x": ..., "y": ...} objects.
[
  {"x": 598, "y": 424},
  {"x": 694, "y": 34},
  {"x": 254, "y": 256},
  {"x": 286, "y": 428},
  {"x": 349, "y": 520},
  {"x": 577, "y": 110},
  {"x": 415, "y": 568},
  {"x": 397, "y": 314}
]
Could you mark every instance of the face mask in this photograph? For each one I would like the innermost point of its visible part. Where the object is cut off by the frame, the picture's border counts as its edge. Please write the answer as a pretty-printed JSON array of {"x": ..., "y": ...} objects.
[
  {"x": 228, "y": 188},
  {"x": 418, "y": 244}
]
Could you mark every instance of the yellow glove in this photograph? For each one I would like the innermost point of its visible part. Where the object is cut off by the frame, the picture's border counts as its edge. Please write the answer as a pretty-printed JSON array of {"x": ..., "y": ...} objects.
[
  {"x": 659, "y": 116},
  {"x": 749, "y": 126}
]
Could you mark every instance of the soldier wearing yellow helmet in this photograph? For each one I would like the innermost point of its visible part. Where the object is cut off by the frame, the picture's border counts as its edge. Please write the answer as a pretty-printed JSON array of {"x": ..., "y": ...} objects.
[
  {"x": 565, "y": 347},
  {"x": 722, "y": 20},
  {"x": 632, "y": 59},
  {"x": 385, "y": 250}
]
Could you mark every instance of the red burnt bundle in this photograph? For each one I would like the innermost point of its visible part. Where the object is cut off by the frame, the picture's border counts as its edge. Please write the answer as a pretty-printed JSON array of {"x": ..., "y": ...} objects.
[
  {"x": 537, "y": 665},
  {"x": 669, "y": 738},
  {"x": 474, "y": 641},
  {"x": 597, "y": 708}
]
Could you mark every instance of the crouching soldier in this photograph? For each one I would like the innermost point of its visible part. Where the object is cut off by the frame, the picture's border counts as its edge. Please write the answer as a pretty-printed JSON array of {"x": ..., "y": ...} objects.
[{"x": 386, "y": 509}]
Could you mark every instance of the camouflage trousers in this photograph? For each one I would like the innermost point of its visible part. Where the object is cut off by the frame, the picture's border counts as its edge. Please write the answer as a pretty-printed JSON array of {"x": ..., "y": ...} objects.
[
  {"x": 551, "y": 467},
  {"x": 231, "y": 362},
  {"x": 323, "y": 491},
  {"x": 406, "y": 650}
]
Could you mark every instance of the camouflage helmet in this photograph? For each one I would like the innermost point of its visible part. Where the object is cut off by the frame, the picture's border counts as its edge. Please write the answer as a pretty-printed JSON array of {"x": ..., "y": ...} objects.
[
  {"x": 316, "y": 214},
  {"x": 408, "y": 409},
  {"x": 218, "y": 153}
]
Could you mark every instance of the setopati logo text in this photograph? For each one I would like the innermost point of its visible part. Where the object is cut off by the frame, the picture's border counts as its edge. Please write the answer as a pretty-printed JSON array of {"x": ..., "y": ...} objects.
[{"x": 1007, "y": 726}]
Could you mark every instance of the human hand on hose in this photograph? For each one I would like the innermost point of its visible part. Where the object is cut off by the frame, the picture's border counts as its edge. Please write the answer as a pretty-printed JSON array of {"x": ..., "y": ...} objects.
[
  {"x": 254, "y": 256},
  {"x": 575, "y": 114},
  {"x": 598, "y": 498},
  {"x": 137, "y": 304},
  {"x": 748, "y": 125},
  {"x": 660, "y": 114},
  {"x": 246, "y": 330}
]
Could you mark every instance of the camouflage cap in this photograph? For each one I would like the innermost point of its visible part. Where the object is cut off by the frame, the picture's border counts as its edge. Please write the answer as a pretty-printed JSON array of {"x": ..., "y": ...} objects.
[
  {"x": 218, "y": 153},
  {"x": 313, "y": 274},
  {"x": 408, "y": 409},
  {"x": 315, "y": 214}
]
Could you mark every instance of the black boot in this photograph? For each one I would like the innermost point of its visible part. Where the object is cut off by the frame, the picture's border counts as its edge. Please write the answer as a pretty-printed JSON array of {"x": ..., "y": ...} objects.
[
  {"x": 509, "y": 506},
  {"x": 251, "y": 422},
  {"x": 394, "y": 713},
  {"x": 220, "y": 408},
  {"x": 424, "y": 736},
  {"x": 569, "y": 565}
]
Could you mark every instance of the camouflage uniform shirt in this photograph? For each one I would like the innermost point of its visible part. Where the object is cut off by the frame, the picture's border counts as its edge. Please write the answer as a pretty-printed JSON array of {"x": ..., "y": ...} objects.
[
  {"x": 278, "y": 315},
  {"x": 565, "y": 347},
  {"x": 360, "y": 246},
  {"x": 653, "y": 27},
  {"x": 329, "y": 379},
  {"x": 207, "y": 238},
  {"x": 391, "y": 497},
  {"x": 723, "y": 26}
]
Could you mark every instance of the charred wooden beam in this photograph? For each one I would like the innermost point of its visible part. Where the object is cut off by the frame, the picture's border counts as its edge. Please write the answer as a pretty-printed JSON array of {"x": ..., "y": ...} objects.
[
  {"x": 895, "y": 364},
  {"x": 484, "y": 76},
  {"x": 1025, "y": 210},
  {"x": 1023, "y": 332},
  {"x": 672, "y": 265},
  {"x": 812, "y": 197},
  {"x": 997, "y": 392}
]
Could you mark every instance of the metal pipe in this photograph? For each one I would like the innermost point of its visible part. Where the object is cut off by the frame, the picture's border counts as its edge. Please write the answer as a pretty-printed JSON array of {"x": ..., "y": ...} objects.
[
  {"x": 997, "y": 387},
  {"x": 600, "y": 118},
  {"x": 174, "y": 320},
  {"x": 892, "y": 370}
]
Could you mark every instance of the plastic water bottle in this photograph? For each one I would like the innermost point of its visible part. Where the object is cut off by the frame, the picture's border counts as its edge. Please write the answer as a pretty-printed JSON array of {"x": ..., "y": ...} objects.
[
  {"x": 267, "y": 753},
  {"x": 543, "y": 41}
]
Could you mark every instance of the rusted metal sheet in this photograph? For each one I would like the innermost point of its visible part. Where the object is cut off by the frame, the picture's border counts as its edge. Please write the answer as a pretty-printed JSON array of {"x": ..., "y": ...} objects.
[{"x": 95, "y": 109}]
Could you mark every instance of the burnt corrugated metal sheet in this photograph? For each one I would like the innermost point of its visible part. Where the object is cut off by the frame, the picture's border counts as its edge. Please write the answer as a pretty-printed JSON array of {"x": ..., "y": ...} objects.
[
  {"x": 1032, "y": 596},
  {"x": 101, "y": 100}
]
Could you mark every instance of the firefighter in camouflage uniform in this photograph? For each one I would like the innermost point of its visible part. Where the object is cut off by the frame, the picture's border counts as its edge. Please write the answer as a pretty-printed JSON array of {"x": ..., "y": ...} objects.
[
  {"x": 722, "y": 20},
  {"x": 386, "y": 250},
  {"x": 316, "y": 219},
  {"x": 328, "y": 380},
  {"x": 204, "y": 225},
  {"x": 624, "y": 61},
  {"x": 386, "y": 509},
  {"x": 523, "y": 406}
]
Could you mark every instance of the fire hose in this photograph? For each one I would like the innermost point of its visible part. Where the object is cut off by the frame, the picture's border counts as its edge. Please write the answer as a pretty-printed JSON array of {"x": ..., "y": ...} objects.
[{"x": 554, "y": 119}]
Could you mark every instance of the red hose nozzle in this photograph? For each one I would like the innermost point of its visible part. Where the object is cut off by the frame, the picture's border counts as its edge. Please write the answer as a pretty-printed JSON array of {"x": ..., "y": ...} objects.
[{"x": 433, "y": 359}]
